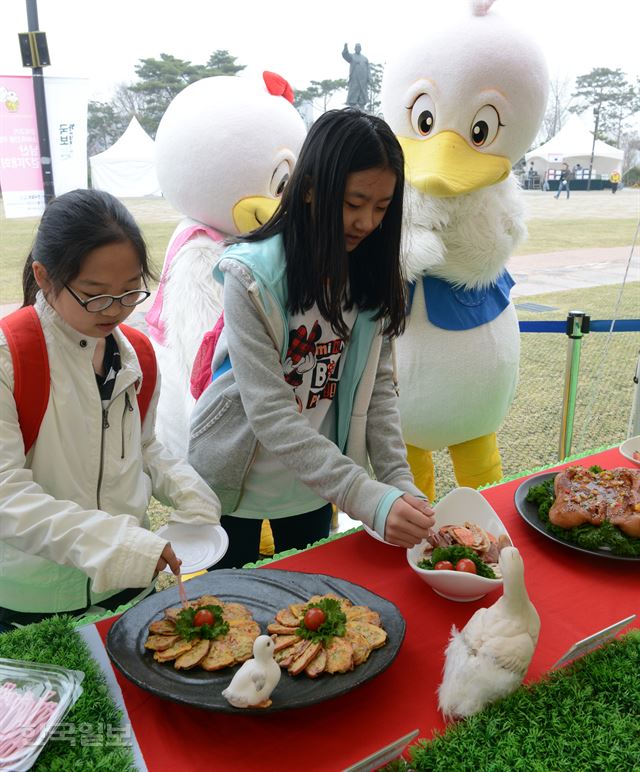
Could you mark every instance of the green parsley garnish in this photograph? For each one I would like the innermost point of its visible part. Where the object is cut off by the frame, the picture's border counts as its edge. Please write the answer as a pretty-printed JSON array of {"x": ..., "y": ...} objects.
[
  {"x": 587, "y": 536},
  {"x": 453, "y": 555},
  {"x": 187, "y": 630},
  {"x": 334, "y": 624}
]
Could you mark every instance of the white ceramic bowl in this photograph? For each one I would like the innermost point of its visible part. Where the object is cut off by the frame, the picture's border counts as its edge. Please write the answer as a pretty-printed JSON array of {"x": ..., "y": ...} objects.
[
  {"x": 457, "y": 506},
  {"x": 629, "y": 447}
]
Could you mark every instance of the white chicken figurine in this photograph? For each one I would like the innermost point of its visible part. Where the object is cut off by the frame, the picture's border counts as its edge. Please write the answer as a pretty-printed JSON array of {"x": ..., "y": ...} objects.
[
  {"x": 489, "y": 658},
  {"x": 225, "y": 148},
  {"x": 465, "y": 101},
  {"x": 252, "y": 685}
]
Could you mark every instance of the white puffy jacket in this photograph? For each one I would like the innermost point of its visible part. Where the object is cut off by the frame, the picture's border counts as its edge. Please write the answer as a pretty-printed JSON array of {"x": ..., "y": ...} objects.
[{"x": 73, "y": 525}]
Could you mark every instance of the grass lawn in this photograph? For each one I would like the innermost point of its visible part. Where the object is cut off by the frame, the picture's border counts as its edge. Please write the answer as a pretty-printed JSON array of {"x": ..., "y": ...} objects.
[
  {"x": 547, "y": 235},
  {"x": 16, "y": 237},
  {"x": 568, "y": 230},
  {"x": 530, "y": 434}
]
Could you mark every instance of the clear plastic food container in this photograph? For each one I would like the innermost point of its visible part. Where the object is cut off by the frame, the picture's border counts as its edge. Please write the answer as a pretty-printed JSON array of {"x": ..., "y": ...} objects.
[{"x": 34, "y": 698}]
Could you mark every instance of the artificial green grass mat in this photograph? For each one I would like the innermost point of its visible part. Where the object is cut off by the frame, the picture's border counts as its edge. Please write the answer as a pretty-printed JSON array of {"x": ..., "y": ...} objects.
[
  {"x": 94, "y": 717},
  {"x": 583, "y": 718}
]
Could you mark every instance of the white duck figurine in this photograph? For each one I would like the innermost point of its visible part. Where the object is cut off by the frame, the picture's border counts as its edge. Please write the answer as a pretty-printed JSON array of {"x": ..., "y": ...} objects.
[
  {"x": 489, "y": 658},
  {"x": 225, "y": 148},
  {"x": 465, "y": 100},
  {"x": 252, "y": 685}
]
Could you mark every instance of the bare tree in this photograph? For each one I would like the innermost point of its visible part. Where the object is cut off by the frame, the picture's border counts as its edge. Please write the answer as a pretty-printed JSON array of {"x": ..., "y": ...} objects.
[{"x": 558, "y": 107}]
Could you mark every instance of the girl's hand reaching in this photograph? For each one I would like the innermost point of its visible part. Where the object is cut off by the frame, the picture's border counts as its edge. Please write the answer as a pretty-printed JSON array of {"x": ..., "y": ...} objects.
[
  {"x": 168, "y": 558},
  {"x": 410, "y": 520}
]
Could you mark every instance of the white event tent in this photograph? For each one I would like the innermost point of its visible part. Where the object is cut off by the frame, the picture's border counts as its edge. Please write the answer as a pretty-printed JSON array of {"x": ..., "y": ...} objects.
[
  {"x": 127, "y": 168},
  {"x": 572, "y": 145}
]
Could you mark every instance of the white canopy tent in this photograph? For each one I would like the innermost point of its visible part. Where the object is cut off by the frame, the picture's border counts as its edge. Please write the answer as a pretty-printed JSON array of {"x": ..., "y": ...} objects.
[
  {"x": 572, "y": 145},
  {"x": 127, "y": 168}
]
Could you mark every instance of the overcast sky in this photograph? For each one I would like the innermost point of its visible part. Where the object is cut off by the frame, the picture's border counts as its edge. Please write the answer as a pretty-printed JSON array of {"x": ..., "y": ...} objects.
[{"x": 301, "y": 40}]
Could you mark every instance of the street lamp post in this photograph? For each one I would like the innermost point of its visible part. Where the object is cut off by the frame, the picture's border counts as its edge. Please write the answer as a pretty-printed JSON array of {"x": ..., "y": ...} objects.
[
  {"x": 36, "y": 46},
  {"x": 596, "y": 112}
]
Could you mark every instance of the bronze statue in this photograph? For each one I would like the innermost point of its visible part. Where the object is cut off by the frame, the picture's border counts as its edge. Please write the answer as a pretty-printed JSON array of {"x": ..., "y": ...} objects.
[{"x": 358, "y": 94}]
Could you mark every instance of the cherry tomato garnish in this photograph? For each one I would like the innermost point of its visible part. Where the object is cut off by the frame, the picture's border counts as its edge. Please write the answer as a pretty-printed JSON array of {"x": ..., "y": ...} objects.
[
  {"x": 314, "y": 618},
  {"x": 444, "y": 565},
  {"x": 203, "y": 617},
  {"x": 467, "y": 565}
]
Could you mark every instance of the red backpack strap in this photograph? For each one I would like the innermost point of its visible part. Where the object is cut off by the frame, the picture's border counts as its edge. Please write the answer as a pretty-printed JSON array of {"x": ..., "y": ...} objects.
[
  {"x": 201, "y": 370},
  {"x": 147, "y": 359},
  {"x": 31, "y": 378}
]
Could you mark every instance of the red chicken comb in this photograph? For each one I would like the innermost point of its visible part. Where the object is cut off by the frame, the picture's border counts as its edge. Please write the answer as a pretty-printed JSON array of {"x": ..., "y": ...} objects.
[{"x": 277, "y": 85}]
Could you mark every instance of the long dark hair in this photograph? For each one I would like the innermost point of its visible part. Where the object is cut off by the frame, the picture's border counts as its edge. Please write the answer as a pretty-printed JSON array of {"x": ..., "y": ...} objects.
[
  {"x": 319, "y": 268},
  {"x": 73, "y": 225}
]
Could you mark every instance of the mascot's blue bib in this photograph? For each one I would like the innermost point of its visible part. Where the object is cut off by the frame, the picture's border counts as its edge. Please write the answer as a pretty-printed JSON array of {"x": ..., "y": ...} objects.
[{"x": 452, "y": 308}]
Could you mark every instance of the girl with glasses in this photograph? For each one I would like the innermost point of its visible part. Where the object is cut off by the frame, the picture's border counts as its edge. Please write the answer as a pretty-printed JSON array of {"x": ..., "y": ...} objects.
[{"x": 73, "y": 526}]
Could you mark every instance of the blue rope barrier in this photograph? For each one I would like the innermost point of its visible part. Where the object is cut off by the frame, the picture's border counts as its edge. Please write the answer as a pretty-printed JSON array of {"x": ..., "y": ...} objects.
[{"x": 600, "y": 325}]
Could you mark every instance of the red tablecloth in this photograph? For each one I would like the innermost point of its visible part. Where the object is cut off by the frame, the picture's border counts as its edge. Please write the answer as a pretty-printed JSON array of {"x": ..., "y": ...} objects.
[{"x": 575, "y": 595}]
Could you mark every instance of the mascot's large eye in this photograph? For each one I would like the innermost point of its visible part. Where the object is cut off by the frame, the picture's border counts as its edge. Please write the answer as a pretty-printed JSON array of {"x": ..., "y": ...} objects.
[
  {"x": 485, "y": 125},
  {"x": 423, "y": 115},
  {"x": 279, "y": 179}
]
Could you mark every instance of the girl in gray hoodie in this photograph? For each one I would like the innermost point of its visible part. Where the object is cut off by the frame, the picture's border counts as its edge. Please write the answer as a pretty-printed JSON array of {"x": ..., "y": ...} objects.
[{"x": 302, "y": 404}]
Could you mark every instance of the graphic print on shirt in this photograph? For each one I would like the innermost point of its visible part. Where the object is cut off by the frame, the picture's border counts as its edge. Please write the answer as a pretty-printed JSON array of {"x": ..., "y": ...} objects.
[{"x": 307, "y": 354}]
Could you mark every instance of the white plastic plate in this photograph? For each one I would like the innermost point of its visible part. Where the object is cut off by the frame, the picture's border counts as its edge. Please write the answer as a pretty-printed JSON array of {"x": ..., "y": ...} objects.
[
  {"x": 197, "y": 546},
  {"x": 629, "y": 447}
]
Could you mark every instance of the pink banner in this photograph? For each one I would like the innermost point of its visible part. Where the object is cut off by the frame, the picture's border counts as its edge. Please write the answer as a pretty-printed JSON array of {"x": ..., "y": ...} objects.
[{"x": 20, "y": 173}]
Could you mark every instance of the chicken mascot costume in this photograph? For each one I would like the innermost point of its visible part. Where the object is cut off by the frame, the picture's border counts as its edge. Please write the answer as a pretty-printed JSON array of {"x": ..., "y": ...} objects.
[
  {"x": 225, "y": 149},
  {"x": 465, "y": 100}
]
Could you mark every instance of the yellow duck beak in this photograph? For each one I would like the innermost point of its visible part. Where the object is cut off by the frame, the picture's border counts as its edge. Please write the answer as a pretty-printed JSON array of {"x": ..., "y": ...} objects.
[
  {"x": 445, "y": 165},
  {"x": 252, "y": 212}
]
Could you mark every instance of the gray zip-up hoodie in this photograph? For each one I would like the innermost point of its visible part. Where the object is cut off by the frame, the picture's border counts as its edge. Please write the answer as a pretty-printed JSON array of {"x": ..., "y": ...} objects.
[{"x": 249, "y": 400}]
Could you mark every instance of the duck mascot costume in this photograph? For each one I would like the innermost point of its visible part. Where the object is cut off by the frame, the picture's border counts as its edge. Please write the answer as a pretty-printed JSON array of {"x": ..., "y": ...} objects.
[
  {"x": 225, "y": 148},
  {"x": 465, "y": 100}
]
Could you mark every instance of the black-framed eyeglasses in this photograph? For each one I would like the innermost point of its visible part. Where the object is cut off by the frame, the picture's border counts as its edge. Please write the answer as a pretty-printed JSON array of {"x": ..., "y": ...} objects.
[{"x": 102, "y": 302}]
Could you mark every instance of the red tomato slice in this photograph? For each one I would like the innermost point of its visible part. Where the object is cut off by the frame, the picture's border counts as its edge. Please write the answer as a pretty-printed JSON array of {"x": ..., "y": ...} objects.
[
  {"x": 467, "y": 565},
  {"x": 314, "y": 618},
  {"x": 203, "y": 617},
  {"x": 444, "y": 565}
]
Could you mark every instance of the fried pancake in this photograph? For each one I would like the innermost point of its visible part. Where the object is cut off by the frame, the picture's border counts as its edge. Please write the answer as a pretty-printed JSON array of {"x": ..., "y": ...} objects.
[
  {"x": 218, "y": 657},
  {"x": 193, "y": 657},
  {"x": 360, "y": 645},
  {"x": 241, "y": 644},
  {"x": 245, "y": 626},
  {"x": 172, "y": 613},
  {"x": 317, "y": 664},
  {"x": 339, "y": 656},
  {"x": 235, "y": 611},
  {"x": 286, "y": 618},
  {"x": 208, "y": 600},
  {"x": 179, "y": 647},
  {"x": 363, "y": 614},
  {"x": 160, "y": 642},
  {"x": 297, "y": 609},
  {"x": 375, "y": 636},
  {"x": 162, "y": 627},
  {"x": 279, "y": 629},
  {"x": 301, "y": 662}
]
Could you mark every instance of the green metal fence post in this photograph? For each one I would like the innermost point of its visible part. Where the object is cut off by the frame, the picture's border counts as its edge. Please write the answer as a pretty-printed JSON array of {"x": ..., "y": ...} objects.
[{"x": 577, "y": 326}]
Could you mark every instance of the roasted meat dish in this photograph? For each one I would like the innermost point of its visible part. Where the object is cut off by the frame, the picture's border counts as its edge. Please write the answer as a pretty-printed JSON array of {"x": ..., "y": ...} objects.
[{"x": 583, "y": 496}]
